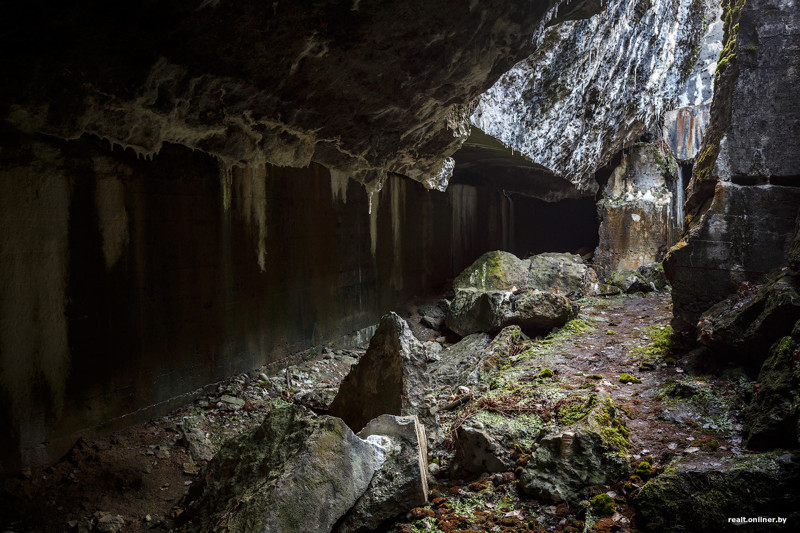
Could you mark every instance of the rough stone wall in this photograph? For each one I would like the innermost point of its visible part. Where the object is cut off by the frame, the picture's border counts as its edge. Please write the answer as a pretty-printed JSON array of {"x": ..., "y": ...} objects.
[
  {"x": 595, "y": 86},
  {"x": 744, "y": 195},
  {"x": 127, "y": 284},
  {"x": 636, "y": 210}
]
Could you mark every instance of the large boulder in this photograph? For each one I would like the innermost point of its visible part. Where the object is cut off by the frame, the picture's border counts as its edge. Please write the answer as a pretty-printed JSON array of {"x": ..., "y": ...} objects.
[
  {"x": 771, "y": 419},
  {"x": 494, "y": 271},
  {"x": 295, "y": 473},
  {"x": 590, "y": 451},
  {"x": 566, "y": 463},
  {"x": 401, "y": 484},
  {"x": 474, "y": 310},
  {"x": 560, "y": 273},
  {"x": 747, "y": 323},
  {"x": 391, "y": 378},
  {"x": 719, "y": 489},
  {"x": 647, "y": 278},
  {"x": 457, "y": 363}
]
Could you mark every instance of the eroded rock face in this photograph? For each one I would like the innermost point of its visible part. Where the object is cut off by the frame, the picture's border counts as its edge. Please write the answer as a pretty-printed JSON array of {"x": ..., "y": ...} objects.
[
  {"x": 748, "y": 322},
  {"x": 747, "y": 485},
  {"x": 391, "y": 378},
  {"x": 743, "y": 235},
  {"x": 362, "y": 88},
  {"x": 594, "y": 86},
  {"x": 636, "y": 210},
  {"x": 742, "y": 215},
  {"x": 295, "y": 473}
]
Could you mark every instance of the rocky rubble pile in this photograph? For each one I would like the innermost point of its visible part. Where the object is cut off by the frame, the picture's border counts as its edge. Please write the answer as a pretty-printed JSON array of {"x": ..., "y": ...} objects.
[{"x": 500, "y": 290}]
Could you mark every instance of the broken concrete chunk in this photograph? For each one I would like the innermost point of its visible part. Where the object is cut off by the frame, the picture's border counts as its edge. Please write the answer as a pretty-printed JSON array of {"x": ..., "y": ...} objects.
[{"x": 401, "y": 482}]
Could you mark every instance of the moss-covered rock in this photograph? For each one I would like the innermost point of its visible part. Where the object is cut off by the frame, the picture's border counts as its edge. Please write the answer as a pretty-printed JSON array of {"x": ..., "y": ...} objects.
[
  {"x": 560, "y": 273},
  {"x": 602, "y": 505},
  {"x": 296, "y": 472},
  {"x": 494, "y": 271},
  {"x": 590, "y": 451},
  {"x": 646, "y": 278},
  {"x": 746, "y": 485},
  {"x": 772, "y": 417},
  {"x": 747, "y": 323}
]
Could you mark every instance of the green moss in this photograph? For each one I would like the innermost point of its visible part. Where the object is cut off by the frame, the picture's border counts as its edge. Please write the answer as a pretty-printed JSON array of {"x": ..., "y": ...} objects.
[
  {"x": 554, "y": 340},
  {"x": 627, "y": 378},
  {"x": 602, "y": 505},
  {"x": 706, "y": 443},
  {"x": 594, "y": 376},
  {"x": 660, "y": 344},
  {"x": 576, "y": 409},
  {"x": 545, "y": 373},
  {"x": 644, "y": 470},
  {"x": 524, "y": 426},
  {"x": 611, "y": 428},
  {"x": 711, "y": 407}
]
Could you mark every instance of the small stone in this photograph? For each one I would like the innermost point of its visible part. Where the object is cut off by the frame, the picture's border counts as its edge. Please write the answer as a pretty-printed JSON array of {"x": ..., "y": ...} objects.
[
  {"x": 162, "y": 452},
  {"x": 434, "y": 469},
  {"x": 235, "y": 403},
  {"x": 108, "y": 523}
]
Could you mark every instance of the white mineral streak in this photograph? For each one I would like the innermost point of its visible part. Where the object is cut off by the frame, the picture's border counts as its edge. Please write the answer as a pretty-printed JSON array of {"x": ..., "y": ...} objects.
[
  {"x": 112, "y": 217},
  {"x": 339, "y": 182},
  {"x": 373, "y": 222},
  {"x": 247, "y": 184},
  {"x": 586, "y": 93},
  {"x": 398, "y": 208}
]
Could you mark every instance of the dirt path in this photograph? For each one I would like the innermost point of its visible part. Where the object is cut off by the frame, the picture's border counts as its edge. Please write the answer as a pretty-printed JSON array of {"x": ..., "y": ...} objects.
[{"x": 135, "y": 478}]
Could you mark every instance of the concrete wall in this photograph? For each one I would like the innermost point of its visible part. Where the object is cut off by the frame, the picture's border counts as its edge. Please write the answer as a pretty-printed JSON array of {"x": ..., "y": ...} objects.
[{"x": 127, "y": 284}]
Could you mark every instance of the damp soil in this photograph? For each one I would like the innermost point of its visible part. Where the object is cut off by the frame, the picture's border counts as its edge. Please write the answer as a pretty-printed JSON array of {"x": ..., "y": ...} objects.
[{"x": 135, "y": 479}]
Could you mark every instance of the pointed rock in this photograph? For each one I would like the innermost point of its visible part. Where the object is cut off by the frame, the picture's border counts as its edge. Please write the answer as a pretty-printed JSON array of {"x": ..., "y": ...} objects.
[{"x": 391, "y": 378}]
